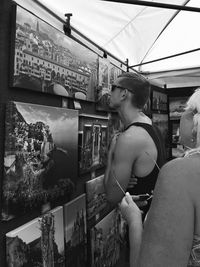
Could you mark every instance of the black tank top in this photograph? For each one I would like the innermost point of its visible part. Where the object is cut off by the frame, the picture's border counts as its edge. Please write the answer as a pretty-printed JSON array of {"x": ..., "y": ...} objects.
[{"x": 147, "y": 183}]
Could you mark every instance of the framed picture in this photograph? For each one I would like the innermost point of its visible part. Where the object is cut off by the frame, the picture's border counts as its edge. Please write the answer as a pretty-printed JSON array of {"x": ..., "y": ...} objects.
[
  {"x": 41, "y": 157},
  {"x": 107, "y": 239},
  {"x": 115, "y": 125},
  {"x": 108, "y": 73},
  {"x": 94, "y": 133},
  {"x": 75, "y": 232},
  {"x": 159, "y": 101},
  {"x": 176, "y": 106},
  {"x": 48, "y": 61},
  {"x": 97, "y": 205},
  {"x": 161, "y": 121},
  {"x": 39, "y": 242}
]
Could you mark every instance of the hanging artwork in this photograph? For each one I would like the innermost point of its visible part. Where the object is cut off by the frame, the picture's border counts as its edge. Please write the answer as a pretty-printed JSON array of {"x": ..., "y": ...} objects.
[
  {"x": 46, "y": 60},
  {"x": 75, "y": 232},
  {"x": 108, "y": 73},
  {"x": 38, "y": 243},
  {"x": 94, "y": 133},
  {"x": 97, "y": 205},
  {"x": 107, "y": 239},
  {"x": 115, "y": 126},
  {"x": 159, "y": 101},
  {"x": 161, "y": 121},
  {"x": 177, "y": 106},
  {"x": 41, "y": 157}
]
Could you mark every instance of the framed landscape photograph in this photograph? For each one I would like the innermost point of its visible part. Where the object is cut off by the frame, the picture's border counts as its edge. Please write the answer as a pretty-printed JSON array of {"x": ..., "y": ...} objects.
[
  {"x": 97, "y": 205},
  {"x": 159, "y": 101},
  {"x": 107, "y": 239},
  {"x": 108, "y": 73},
  {"x": 176, "y": 106},
  {"x": 161, "y": 121},
  {"x": 46, "y": 60},
  {"x": 93, "y": 136},
  {"x": 41, "y": 157},
  {"x": 75, "y": 229},
  {"x": 39, "y": 242}
]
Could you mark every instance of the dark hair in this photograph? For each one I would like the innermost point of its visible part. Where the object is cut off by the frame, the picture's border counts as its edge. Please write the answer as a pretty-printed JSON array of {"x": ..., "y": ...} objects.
[{"x": 138, "y": 85}]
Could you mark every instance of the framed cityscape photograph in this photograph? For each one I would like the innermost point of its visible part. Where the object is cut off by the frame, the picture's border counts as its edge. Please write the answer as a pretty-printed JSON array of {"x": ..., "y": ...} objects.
[
  {"x": 48, "y": 61},
  {"x": 107, "y": 74},
  {"x": 39, "y": 242},
  {"x": 159, "y": 101},
  {"x": 41, "y": 157},
  {"x": 75, "y": 230},
  {"x": 177, "y": 106},
  {"x": 93, "y": 137},
  {"x": 107, "y": 239},
  {"x": 97, "y": 205}
]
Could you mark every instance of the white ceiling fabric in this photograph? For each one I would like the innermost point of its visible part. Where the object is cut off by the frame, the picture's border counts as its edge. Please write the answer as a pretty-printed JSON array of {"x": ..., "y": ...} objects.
[{"x": 131, "y": 31}]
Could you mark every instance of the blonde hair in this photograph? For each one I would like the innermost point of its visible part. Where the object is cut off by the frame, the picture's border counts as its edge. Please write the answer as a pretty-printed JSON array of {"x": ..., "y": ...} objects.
[{"x": 193, "y": 105}]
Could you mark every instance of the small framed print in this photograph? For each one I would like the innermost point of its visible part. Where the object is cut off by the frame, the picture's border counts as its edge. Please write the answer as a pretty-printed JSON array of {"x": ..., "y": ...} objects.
[{"x": 159, "y": 101}]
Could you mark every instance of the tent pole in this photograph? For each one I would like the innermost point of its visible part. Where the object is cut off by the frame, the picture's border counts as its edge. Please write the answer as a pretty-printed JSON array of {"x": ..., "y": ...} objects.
[
  {"x": 155, "y": 4},
  {"x": 163, "y": 58}
]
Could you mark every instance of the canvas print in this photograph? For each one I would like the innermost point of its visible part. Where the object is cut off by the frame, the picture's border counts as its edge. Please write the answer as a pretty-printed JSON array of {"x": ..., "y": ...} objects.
[
  {"x": 93, "y": 135},
  {"x": 97, "y": 205},
  {"x": 161, "y": 120},
  {"x": 41, "y": 156},
  {"x": 107, "y": 239},
  {"x": 38, "y": 243},
  {"x": 108, "y": 73},
  {"x": 176, "y": 106},
  {"x": 75, "y": 232},
  {"x": 115, "y": 126},
  {"x": 159, "y": 101},
  {"x": 46, "y": 60}
]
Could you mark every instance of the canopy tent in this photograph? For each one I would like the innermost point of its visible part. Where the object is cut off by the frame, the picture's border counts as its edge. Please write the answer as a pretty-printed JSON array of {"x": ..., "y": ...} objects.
[{"x": 137, "y": 33}]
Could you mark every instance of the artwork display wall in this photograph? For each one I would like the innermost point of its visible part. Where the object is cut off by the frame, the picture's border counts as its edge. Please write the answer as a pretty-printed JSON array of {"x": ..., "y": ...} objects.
[
  {"x": 75, "y": 232},
  {"x": 46, "y": 60},
  {"x": 161, "y": 120},
  {"x": 93, "y": 136},
  {"x": 38, "y": 243},
  {"x": 41, "y": 155}
]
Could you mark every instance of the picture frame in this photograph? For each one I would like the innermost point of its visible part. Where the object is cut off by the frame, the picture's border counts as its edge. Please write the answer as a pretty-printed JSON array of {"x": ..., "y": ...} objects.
[
  {"x": 75, "y": 232},
  {"x": 93, "y": 137},
  {"x": 96, "y": 203},
  {"x": 107, "y": 74},
  {"x": 40, "y": 241},
  {"x": 159, "y": 101},
  {"x": 176, "y": 107},
  {"x": 44, "y": 59},
  {"x": 107, "y": 239},
  {"x": 40, "y": 158},
  {"x": 161, "y": 120}
]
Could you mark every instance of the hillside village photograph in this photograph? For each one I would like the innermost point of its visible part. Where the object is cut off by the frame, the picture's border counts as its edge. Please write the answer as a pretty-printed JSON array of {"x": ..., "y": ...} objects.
[{"x": 41, "y": 143}]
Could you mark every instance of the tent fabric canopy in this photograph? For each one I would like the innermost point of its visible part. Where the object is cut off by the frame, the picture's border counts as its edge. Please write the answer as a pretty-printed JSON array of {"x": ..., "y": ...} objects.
[{"x": 139, "y": 34}]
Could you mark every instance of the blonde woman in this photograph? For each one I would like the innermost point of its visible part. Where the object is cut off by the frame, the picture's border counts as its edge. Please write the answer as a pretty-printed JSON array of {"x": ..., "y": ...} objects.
[{"x": 170, "y": 236}]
